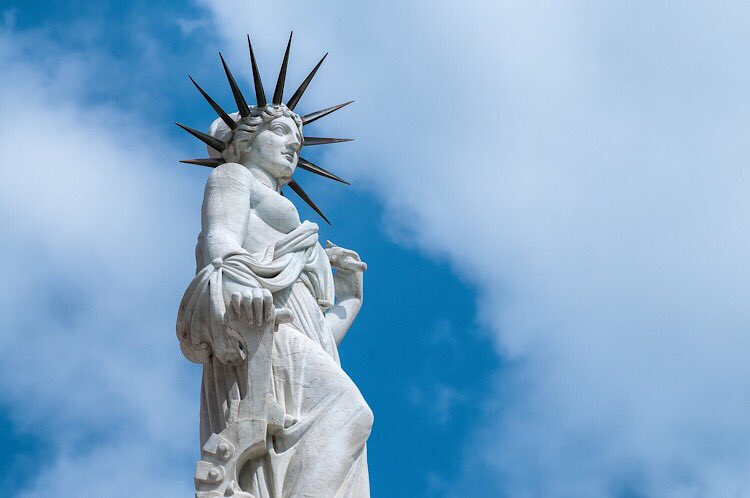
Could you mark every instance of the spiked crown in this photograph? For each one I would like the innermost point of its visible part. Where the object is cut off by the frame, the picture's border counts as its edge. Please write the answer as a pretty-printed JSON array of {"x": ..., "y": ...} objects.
[{"x": 260, "y": 97}]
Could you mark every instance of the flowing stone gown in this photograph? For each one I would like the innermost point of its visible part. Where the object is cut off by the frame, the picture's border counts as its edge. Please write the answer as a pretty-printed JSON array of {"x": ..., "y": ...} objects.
[{"x": 320, "y": 450}]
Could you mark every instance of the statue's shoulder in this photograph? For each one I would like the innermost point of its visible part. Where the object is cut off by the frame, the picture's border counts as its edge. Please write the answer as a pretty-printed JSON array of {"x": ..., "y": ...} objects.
[
  {"x": 232, "y": 172},
  {"x": 231, "y": 179}
]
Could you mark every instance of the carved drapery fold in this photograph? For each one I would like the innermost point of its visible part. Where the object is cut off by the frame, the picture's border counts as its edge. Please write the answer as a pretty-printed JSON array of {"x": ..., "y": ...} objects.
[{"x": 296, "y": 256}]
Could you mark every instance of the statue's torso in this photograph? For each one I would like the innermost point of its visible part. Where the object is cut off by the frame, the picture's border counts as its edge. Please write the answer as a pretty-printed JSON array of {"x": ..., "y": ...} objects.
[{"x": 270, "y": 216}]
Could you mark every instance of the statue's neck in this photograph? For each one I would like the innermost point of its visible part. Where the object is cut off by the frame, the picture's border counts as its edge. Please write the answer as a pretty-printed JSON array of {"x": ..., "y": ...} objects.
[{"x": 264, "y": 177}]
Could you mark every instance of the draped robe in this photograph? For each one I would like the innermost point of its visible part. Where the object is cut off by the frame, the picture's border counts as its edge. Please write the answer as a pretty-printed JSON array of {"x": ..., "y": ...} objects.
[{"x": 321, "y": 450}]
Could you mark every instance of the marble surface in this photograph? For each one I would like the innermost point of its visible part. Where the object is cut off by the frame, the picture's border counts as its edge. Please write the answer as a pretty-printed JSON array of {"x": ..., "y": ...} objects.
[{"x": 264, "y": 316}]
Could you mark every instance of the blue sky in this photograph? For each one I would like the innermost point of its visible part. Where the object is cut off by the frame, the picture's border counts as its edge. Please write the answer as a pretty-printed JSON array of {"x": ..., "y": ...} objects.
[{"x": 552, "y": 199}]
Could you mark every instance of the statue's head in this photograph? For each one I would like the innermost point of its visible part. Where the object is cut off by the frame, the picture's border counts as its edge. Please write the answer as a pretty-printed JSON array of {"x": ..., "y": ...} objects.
[
  {"x": 269, "y": 138},
  {"x": 268, "y": 135}
]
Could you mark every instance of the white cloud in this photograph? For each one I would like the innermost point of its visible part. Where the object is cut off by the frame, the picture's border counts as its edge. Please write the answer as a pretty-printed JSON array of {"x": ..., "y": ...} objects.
[
  {"x": 585, "y": 166},
  {"x": 93, "y": 253}
]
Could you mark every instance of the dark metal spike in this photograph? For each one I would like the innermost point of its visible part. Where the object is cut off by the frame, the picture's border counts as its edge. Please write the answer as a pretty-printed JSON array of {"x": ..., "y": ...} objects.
[
  {"x": 206, "y": 139},
  {"x": 223, "y": 115},
  {"x": 314, "y": 168},
  {"x": 309, "y": 118},
  {"x": 238, "y": 97},
  {"x": 208, "y": 161},
  {"x": 278, "y": 95},
  {"x": 323, "y": 141},
  {"x": 260, "y": 94},
  {"x": 298, "y": 190},
  {"x": 298, "y": 94}
]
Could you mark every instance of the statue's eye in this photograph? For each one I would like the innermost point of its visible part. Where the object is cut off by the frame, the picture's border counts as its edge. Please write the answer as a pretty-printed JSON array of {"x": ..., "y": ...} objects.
[{"x": 279, "y": 130}]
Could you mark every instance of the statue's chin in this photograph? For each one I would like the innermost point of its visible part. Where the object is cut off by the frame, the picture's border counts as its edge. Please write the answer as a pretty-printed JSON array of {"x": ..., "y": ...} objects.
[
  {"x": 280, "y": 171},
  {"x": 283, "y": 171}
]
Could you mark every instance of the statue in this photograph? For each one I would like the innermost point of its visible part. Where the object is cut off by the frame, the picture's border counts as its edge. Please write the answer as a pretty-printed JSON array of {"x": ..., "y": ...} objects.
[{"x": 265, "y": 313}]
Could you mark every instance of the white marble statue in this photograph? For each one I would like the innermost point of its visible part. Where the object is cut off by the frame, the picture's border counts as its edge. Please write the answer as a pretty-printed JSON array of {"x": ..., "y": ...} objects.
[{"x": 264, "y": 316}]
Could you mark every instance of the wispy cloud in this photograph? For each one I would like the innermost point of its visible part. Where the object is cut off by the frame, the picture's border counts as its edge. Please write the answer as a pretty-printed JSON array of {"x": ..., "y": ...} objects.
[{"x": 94, "y": 251}]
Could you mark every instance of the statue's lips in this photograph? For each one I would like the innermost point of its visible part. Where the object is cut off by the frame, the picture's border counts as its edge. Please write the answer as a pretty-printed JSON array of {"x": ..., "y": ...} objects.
[{"x": 288, "y": 155}]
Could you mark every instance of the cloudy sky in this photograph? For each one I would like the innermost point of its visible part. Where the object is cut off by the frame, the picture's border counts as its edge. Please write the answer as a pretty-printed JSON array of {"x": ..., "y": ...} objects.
[{"x": 552, "y": 198}]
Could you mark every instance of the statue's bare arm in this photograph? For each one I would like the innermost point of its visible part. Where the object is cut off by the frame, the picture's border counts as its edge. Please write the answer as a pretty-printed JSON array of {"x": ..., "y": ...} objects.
[
  {"x": 224, "y": 223},
  {"x": 226, "y": 205},
  {"x": 348, "y": 283}
]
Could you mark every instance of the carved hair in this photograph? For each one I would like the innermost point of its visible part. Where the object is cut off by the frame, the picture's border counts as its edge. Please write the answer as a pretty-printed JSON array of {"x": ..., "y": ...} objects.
[{"x": 247, "y": 127}]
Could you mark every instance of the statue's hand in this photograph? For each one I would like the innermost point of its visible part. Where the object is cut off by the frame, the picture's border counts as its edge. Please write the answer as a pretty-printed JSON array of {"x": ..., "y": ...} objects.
[
  {"x": 344, "y": 259},
  {"x": 348, "y": 287},
  {"x": 253, "y": 310}
]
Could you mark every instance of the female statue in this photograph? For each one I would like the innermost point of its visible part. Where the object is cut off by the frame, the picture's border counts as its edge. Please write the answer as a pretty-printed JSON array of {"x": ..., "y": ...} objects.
[{"x": 265, "y": 314}]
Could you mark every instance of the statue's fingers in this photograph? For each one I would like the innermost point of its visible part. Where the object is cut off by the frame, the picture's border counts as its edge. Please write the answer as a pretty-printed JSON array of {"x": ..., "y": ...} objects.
[
  {"x": 230, "y": 318},
  {"x": 348, "y": 253},
  {"x": 351, "y": 264},
  {"x": 334, "y": 258},
  {"x": 268, "y": 309},
  {"x": 330, "y": 244},
  {"x": 247, "y": 306},
  {"x": 258, "y": 306},
  {"x": 358, "y": 266},
  {"x": 234, "y": 304},
  {"x": 284, "y": 315}
]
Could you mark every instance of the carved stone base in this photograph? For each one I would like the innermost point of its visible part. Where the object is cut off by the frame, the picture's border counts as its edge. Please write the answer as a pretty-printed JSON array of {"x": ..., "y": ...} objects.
[{"x": 225, "y": 454}]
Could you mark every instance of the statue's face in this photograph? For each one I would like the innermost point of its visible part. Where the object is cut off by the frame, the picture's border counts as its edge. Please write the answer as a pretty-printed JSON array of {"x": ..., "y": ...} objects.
[{"x": 275, "y": 147}]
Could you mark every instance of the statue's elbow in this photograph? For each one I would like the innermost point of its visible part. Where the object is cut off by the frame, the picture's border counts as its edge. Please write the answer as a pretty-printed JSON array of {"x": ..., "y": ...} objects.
[{"x": 218, "y": 243}]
